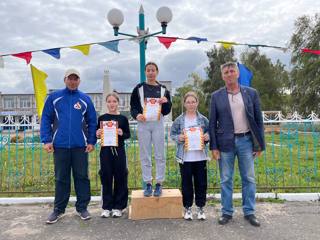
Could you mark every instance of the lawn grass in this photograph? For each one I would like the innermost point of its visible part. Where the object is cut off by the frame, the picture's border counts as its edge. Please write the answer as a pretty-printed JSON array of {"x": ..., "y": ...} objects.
[{"x": 290, "y": 164}]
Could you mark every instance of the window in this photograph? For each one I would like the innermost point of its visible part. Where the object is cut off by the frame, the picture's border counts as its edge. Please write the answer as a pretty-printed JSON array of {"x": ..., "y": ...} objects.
[
  {"x": 121, "y": 101},
  {"x": 8, "y": 102},
  {"x": 25, "y": 102}
]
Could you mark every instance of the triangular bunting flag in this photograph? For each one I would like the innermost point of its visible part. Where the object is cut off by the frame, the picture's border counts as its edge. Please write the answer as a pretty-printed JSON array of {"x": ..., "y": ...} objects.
[
  {"x": 166, "y": 41},
  {"x": 227, "y": 45},
  {"x": 306, "y": 50},
  {"x": 112, "y": 45},
  {"x": 85, "y": 49},
  {"x": 25, "y": 55},
  {"x": 40, "y": 88},
  {"x": 197, "y": 39},
  {"x": 54, "y": 52}
]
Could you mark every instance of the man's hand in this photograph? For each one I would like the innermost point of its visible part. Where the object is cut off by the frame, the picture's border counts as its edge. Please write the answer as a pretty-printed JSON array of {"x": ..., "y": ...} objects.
[
  {"x": 48, "y": 147},
  {"x": 89, "y": 148},
  {"x": 216, "y": 154},
  {"x": 257, "y": 154}
]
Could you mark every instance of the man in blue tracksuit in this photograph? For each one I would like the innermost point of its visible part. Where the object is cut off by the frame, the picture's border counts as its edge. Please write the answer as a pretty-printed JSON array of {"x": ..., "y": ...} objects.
[{"x": 68, "y": 126}]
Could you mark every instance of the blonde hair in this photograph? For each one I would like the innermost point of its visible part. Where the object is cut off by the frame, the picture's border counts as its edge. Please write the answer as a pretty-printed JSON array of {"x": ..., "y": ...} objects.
[
  {"x": 190, "y": 94},
  {"x": 113, "y": 94}
]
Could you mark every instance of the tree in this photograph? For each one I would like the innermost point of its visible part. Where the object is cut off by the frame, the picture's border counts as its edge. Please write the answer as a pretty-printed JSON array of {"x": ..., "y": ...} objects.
[
  {"x": 268, "y": 78},
  {"x": 216, "y": 57},
  {"x": 194, "y": 83},
  {"x": 305, "y": 74}
]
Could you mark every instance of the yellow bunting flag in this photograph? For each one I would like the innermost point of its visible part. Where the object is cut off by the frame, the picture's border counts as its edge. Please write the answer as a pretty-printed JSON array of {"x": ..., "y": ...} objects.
[
  {"x": 40, "y": 87},
  {"x": 85, "y": 49},
  {"x": 227, "y": 45}
]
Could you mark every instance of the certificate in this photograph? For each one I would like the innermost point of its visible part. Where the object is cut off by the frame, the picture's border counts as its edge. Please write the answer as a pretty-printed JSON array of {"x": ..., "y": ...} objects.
[
  {"x": 109, "y": 136},
  {"x": 194, "y": 139},
  {"x": 152, "y": 109}
]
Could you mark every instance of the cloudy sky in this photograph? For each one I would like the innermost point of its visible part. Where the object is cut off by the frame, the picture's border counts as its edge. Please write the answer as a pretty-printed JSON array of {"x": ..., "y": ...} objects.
[{"x": 43, "y": 24}]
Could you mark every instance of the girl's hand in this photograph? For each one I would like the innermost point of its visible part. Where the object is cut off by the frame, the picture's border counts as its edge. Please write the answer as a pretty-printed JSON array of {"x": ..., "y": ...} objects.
[
  {"x": 181, "y": 137},
  {"x": 98, "y": 133},
  {"x": 206, "y": 137},
  {"x": 120, "y": 132},
  {"x": 163, "y": 100},
  {"x": 141, "y": 118}
]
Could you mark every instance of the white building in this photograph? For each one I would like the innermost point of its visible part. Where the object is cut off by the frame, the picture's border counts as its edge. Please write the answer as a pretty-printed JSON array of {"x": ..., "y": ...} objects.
[{"x": 23, "y": 106}]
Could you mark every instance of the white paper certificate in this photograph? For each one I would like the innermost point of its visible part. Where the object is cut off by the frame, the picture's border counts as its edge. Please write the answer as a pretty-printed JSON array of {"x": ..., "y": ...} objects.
[
  {"x": 109, "y": 136},
  {"x": 194, "y": 139},
  {"x": 152, "y": 109}
]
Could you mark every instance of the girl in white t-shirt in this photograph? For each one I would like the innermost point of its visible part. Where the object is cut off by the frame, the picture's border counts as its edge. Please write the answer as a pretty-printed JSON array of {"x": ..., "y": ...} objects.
[{"x": 192, "y": 155}]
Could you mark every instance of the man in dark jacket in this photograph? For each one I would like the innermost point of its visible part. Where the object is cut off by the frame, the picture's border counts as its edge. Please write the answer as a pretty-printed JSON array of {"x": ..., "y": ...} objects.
[
  {"x": 68, "y": 126},
  {"x": 236, "y": 129}
]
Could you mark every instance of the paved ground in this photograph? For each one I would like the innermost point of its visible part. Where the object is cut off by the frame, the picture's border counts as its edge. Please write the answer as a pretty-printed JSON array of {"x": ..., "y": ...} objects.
[{"x": 290, "y": 220}]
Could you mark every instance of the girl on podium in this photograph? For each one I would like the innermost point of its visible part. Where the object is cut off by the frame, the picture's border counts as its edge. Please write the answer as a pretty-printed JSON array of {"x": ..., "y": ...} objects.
[
  {"x": 190, "y": 132},
  {"x": 149, "y": 102},
  {"x": 113, "y": 130}
]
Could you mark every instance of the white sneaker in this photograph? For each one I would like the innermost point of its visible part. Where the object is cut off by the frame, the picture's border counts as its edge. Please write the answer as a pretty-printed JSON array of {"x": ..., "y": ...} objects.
[
  {"x": 201, "y": 215},
  {"x": 116, "y": 213},
  {"x": 188, "y": 213},
  {"x": 106, "y": 213}
]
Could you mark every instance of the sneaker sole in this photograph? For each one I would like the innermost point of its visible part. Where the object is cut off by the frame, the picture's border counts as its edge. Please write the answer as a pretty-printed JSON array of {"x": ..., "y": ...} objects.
[
  {"x": 84, "y": 219},
  {"x": 52, "y": 222}
]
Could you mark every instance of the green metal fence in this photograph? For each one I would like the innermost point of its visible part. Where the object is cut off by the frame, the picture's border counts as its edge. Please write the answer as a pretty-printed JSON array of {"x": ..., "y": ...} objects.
[{"x": 289, "y": 164}]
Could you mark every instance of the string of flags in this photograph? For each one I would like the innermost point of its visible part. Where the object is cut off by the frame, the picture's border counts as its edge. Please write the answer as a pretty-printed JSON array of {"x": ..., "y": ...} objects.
[
  {"x": 166, "y": 41},
  {"x": 39, "y": 76}
]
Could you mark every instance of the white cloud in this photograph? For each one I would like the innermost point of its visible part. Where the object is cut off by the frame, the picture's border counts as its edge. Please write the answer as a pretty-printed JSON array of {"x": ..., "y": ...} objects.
[{"x": 40, "y": 24}]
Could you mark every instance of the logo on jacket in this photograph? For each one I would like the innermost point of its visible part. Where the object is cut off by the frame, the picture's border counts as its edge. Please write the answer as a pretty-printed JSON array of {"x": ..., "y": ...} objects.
[{"x": 77, "y": 106}]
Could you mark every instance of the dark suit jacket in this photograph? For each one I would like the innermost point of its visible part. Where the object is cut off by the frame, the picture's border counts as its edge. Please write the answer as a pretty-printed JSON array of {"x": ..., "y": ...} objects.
[{"x": 221, "y": 127}]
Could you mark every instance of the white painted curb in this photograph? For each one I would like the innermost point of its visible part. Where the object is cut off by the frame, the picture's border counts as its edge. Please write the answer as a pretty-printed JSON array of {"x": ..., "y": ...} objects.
[{"x": 284, "y": 196}]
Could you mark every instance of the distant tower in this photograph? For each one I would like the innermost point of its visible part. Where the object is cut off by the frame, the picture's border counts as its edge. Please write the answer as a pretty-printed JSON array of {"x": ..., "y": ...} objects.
[{"x": 106, "y": 90}]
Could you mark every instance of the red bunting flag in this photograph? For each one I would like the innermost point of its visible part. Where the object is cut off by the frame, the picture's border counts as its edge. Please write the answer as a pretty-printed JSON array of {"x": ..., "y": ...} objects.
[
  {"x": 306, "y": 50},
  {"x": 166, "y": 41},
  {"x": 25, "y": 55}
]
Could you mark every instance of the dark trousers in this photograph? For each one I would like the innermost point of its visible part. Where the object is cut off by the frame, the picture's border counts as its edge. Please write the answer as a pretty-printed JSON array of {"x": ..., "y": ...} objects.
[
  {"x": 194, "y": 174},
  {"x": 114, "y": 178},
  {"x": 65, "y": 160}
]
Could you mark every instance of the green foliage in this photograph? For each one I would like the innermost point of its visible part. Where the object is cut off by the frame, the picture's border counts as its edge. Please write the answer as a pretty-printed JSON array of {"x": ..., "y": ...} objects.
[
  {"x": 305, "y": 75},
  {"x": 216, "y": 57},
  {"x": 193, "y": 84},
  {"x": 269, "y": 79}
]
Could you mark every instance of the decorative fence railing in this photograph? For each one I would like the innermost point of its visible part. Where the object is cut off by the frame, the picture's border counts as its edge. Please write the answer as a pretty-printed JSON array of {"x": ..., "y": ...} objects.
[{"x": 289, "y": 164}]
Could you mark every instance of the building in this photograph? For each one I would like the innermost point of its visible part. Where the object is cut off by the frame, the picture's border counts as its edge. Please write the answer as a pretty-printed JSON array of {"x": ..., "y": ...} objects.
[{"x": 21, "y": 108}]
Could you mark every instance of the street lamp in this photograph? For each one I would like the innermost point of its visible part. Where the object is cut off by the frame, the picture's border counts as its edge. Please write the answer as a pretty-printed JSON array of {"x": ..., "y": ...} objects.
[{"x": 164, "y": 16}]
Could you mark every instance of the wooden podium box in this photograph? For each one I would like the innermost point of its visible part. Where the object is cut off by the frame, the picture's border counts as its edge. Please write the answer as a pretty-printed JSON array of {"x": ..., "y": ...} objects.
[{"x": 168, "y": 205}]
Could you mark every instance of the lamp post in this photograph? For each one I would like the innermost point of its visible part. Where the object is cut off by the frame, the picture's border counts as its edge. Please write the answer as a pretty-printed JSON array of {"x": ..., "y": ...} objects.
[{"x": 164, "y": 16}]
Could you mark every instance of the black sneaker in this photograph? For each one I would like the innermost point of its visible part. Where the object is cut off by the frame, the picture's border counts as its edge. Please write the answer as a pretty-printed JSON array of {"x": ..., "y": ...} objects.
[
  {"x": 224, "y": 219},
  {"x": 158, "y": 190},
  {"x": 84, "y": 215},
  {"x": 148, "y": 190},
  {"x": 54, "y": 217},
  {"x": 252, "y": 220}
]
